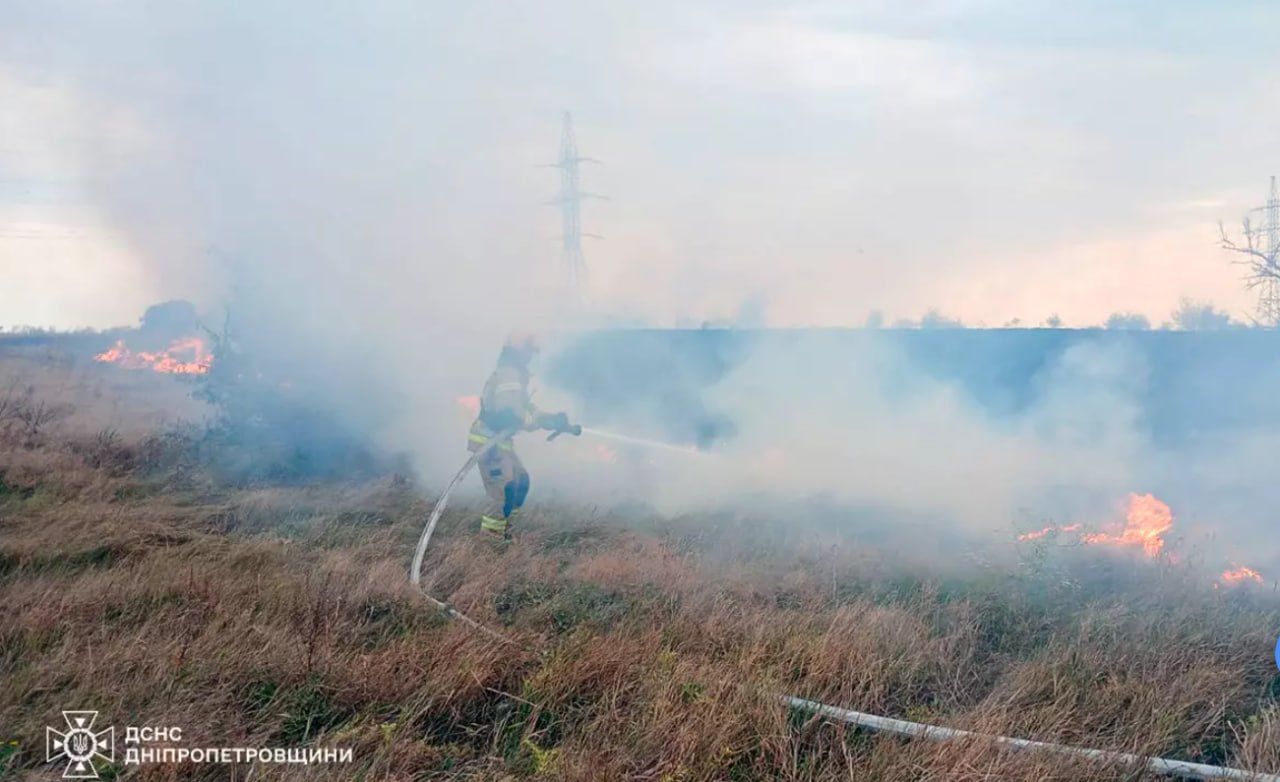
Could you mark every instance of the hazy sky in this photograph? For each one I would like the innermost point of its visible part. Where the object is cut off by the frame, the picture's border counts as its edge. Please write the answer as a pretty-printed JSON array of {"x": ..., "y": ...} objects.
[{"x": 997, "y": 159}]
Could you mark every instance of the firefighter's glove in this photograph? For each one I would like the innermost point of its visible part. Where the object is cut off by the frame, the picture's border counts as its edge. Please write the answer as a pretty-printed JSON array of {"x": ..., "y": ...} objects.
[{"x": 556, "y": 422}]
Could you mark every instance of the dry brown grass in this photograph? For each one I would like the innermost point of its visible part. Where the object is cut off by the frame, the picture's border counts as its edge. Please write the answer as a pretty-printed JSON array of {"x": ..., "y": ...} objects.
[{"x": 279, "y": 616}]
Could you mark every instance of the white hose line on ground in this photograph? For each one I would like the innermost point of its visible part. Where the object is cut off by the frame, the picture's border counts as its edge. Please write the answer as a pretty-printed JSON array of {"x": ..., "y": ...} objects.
[
  {"x": 415, "y": 571},
  {"x": 1180, "y": 768}
]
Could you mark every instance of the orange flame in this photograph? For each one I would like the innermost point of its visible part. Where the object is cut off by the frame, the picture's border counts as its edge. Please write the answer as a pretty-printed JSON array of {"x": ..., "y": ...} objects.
[
  {"x": 604, "y": 453},
  {"x": 1240, "y": 574},
  {"x": 186, "y": 356},
  {"x": 1145, "y": 524},
  {"x": 472, "y": 403}
]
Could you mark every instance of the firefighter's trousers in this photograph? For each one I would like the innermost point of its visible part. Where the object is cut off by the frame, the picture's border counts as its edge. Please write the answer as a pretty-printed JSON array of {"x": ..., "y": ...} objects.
[{"x": 507, "y": 484}]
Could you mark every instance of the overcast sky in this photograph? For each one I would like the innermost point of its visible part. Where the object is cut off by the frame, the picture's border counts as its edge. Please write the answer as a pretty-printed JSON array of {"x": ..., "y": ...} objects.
[{"x": 996, "y": 159}]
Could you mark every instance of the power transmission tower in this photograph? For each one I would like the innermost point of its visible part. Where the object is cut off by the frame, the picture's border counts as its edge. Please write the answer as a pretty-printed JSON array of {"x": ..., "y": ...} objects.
[
  {"x": 1260, "y": 248},
  {"x": 1269, "y": 295},
  {"x": 570, "y": 203}
]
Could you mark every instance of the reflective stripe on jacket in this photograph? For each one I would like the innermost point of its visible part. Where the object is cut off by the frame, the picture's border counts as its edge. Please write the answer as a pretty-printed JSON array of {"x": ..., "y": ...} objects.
[
  {"x": 481, "y": 434},
  {"x": 504, "y": 404}
]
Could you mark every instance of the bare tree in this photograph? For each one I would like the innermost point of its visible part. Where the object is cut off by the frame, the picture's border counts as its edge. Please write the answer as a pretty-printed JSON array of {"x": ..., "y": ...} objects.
[{"x": 1260, "y": 258}]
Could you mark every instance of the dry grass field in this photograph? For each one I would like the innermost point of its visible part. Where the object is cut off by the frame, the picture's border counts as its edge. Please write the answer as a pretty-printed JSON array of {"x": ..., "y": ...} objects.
[{"x": 138, "y": 583}]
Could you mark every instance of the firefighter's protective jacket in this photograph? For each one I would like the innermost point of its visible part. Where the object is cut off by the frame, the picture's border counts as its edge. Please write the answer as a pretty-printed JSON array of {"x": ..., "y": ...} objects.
[{"x": 504, "y": 405}]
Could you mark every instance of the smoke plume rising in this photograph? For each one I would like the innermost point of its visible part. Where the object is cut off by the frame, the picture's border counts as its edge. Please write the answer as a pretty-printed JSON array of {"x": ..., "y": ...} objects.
[{"x": 354, "y": 204}]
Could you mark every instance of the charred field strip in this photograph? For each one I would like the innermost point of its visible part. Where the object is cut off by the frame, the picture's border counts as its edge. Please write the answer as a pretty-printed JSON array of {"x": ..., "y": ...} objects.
[{"x": 138, "y": 581}]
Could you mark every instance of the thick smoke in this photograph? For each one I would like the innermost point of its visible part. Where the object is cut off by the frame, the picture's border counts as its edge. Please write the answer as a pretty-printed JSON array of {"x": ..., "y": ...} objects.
[
  {"x": 302, "y": 163},
  {"x": 1060, "y": 428}
]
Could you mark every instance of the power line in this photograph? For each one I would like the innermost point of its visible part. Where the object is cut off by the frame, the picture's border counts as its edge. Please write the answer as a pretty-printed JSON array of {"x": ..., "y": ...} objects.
[
  {"x": 570, "y": 203},
  {"x": 1269, "y": 295}
]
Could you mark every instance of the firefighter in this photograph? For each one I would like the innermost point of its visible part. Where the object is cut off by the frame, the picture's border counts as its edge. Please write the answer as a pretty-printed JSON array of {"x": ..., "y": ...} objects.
[{"x": 505, "y": 407}]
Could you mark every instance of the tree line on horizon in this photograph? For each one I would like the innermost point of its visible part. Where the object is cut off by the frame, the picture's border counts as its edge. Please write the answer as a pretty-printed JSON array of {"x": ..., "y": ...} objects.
[{"x": 1189, "y": 316}]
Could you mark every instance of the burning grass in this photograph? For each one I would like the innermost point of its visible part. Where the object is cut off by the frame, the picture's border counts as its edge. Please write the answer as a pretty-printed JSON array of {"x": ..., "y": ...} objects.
[
  {"x": 280, "y": 615},
  {"x": 184, "y": 356}
]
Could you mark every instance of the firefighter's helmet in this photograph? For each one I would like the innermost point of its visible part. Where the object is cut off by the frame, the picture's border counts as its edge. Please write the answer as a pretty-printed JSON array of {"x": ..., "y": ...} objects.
[
  {"x": 523, "y": 341},
  {"x": 520, "y": 348}
]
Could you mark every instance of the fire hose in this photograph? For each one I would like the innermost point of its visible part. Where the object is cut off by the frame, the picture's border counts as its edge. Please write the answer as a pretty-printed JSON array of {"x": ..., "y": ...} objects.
[
  {"x": 1161, "y": 766},
  {"x": 415, "y": 571}
]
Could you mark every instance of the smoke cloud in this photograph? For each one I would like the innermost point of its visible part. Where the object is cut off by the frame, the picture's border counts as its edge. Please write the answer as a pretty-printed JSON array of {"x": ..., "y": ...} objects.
[
  {"x": 1030, "y": 428},
  {"x": 369, "y": 216},
  {"x": 304, "y": 165}
]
